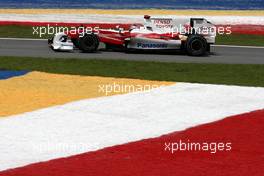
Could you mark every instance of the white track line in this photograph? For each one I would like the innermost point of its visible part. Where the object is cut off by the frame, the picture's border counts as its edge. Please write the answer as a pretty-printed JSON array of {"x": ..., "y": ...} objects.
[
  {"x": 102, "y": 18},
  {"x": 236, "y": 46},
  {"x": 23, "y": 39}
]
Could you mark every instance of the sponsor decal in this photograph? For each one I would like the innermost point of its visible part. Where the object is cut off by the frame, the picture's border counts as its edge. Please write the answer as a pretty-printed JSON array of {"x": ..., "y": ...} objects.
[
  {"x": 152, "y": 45},
  {"x": 163, "y": 23}
]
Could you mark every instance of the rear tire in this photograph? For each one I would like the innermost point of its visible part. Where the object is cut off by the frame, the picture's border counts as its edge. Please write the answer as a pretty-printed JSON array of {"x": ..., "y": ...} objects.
[
  {"x": 208, "y": 48},
  {"x": 89, "y": 43},
  {"x": 196, "y": 45}
]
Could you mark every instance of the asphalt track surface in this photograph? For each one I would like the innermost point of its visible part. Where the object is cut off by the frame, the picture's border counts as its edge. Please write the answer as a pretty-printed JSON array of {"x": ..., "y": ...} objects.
[{"x": 219, "y": 54}]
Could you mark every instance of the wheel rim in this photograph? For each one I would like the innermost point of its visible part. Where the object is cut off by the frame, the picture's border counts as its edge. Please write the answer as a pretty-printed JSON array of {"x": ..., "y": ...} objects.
[
  {"x": 196, "y": 45},
  {"x": 89, "y": 42}
]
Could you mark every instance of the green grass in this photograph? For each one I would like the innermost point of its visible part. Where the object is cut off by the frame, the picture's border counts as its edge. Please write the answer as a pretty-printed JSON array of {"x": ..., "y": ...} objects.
[
  {"x": 235, "y": 39},
  {"x": 239, "y": 39},
  {"x": 246, "y": 75},
  {"x": 17, "y": 31}
]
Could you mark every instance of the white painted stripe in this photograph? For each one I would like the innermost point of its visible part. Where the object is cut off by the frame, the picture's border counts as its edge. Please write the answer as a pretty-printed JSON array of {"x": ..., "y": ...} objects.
[
  {"x": 95, "y": 18},
  {"x": 237, "y": 46},
  {"x": 24, "y": 39},
  {"x": 94, "y": 124}
]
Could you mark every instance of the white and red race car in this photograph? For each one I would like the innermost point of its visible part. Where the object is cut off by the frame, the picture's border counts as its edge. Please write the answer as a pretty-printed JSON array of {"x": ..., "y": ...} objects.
[{"x": 193, "y": 37}]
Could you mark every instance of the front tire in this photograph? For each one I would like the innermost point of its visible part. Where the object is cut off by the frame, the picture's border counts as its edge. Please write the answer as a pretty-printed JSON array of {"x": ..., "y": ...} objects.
[
  {"x": 196, "y": 45},
  {"x": 89, "y": 43},
  {"x": 50, "y": 41}
]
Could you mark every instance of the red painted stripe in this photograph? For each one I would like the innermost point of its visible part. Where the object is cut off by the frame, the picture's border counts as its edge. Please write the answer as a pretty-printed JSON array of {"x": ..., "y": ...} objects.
[
  {"x": 236, "y": 29},
  {"x": 147, "y": 157},
  {"x": 246, "y": 29}
]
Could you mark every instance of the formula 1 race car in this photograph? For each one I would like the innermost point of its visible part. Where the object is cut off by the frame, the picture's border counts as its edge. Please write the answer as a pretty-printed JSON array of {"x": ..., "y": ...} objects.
[{"x": 193, "y": 36}]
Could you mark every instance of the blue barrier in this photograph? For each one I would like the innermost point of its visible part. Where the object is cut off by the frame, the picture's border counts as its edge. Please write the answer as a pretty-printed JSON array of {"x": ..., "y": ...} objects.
[{"x": 6, "y": 74}]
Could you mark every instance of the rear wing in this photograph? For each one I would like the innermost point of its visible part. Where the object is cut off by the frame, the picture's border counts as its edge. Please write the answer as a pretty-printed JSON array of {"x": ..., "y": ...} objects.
[
  {"x": 195, "y": 21},
  {"x": 182, "y": 25},
  {"x": 202, "y": 26}
]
